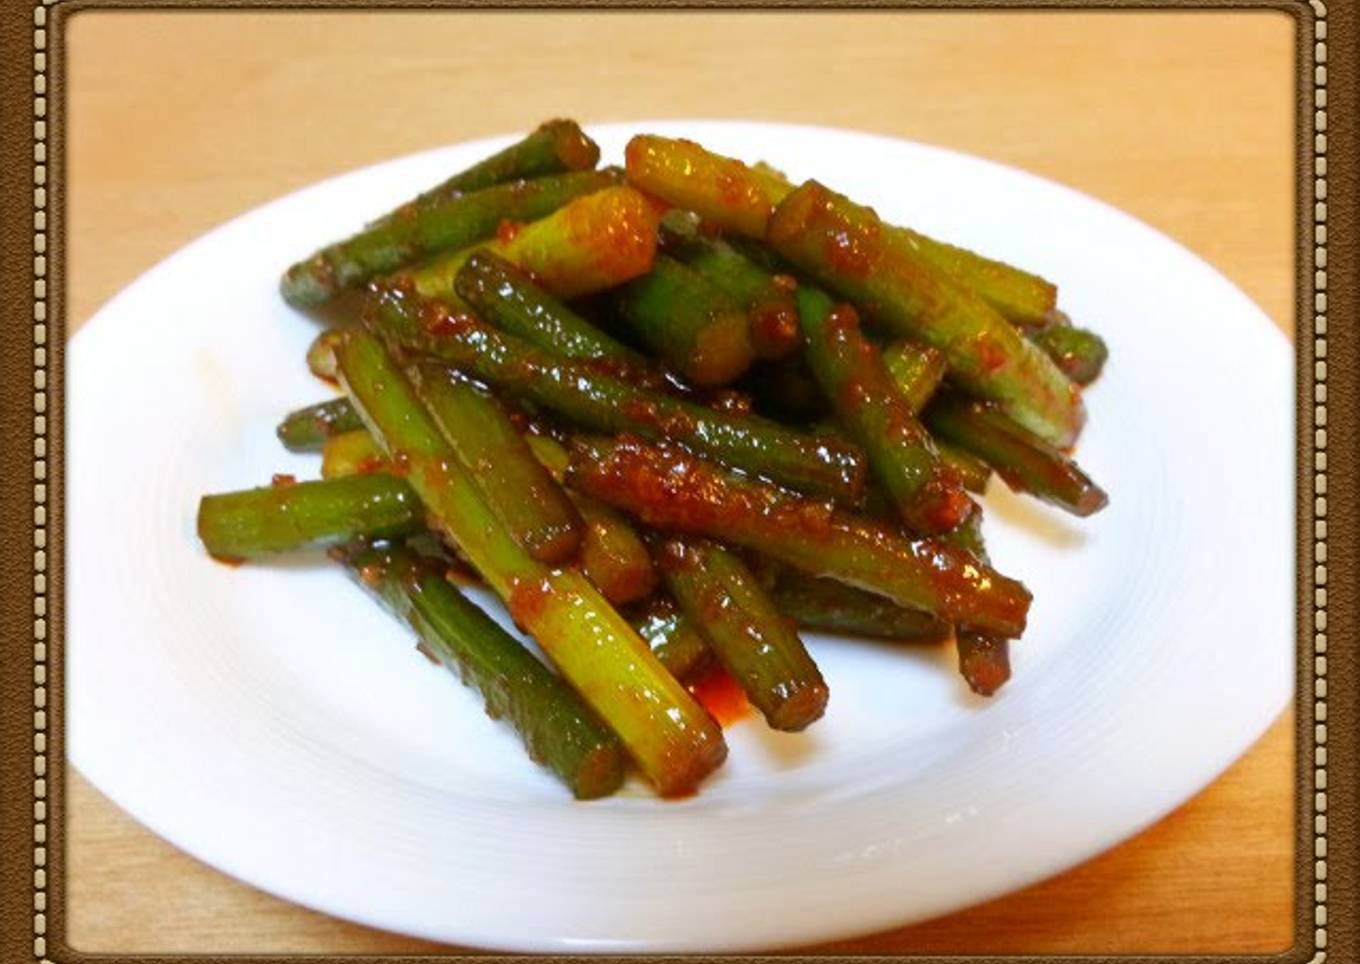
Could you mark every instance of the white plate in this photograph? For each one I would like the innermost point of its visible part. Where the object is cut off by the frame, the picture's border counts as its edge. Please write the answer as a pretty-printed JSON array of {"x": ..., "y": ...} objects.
[{"x": 273, "y": 722}]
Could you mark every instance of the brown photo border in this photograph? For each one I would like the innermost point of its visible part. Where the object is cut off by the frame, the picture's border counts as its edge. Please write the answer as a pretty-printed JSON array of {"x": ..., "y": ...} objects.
[{"x": 32, "y": 338}]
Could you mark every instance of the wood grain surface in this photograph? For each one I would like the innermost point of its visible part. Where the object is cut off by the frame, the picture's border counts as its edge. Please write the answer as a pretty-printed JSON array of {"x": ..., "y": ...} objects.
[{"x": 178, "y": 121}]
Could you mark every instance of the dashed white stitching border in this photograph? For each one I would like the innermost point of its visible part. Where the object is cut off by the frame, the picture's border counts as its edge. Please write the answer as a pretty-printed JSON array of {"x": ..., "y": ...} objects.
[
  {"x": 1319, "y": 480},
  {"x": 40, "y": 302},
  {"x": 40, "y": 481}
]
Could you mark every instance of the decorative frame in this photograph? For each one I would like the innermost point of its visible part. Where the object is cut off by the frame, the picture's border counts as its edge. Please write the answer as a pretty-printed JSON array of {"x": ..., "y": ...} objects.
[{"x": 1326, "y": 442}]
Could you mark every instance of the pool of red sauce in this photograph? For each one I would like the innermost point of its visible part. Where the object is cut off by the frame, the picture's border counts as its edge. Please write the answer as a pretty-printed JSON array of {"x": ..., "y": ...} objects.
[{"x": 721, "y": 695}]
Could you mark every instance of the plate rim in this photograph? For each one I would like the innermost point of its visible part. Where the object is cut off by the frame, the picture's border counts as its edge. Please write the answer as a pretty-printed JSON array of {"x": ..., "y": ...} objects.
[{"x": 1015, "y": 881}]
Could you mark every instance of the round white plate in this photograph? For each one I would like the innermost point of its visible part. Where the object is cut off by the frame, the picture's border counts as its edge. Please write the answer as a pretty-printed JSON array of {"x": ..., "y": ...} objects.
[{"x": 272, "y": 721}]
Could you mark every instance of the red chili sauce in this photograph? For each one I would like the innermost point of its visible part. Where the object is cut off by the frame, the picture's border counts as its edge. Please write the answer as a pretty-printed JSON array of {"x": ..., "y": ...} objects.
[{"x": 721, "y": 695}]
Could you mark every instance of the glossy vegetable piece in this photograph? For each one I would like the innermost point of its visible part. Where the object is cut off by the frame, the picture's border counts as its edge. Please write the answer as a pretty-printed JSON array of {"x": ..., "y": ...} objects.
[
  {"x": 306, "y": 429},
  {"x": 524, "y": 497},
  {"x": 1024, "y": 461},
  {"x": 747, "y": 634},
  {"x": 693, "y": 326},
  {"x": 597, "y": 241},
  {"x": 414, "y": 446},
  {"x": 556, "y": 727},
  {"x": 672, "y": 739},
  {"x": 321, "y": 354},
  {"x": 351, "y": 453},
  {"x": 1080, "y": 353},
  {"x": 968, "y": 537},
  {"x": 671, "y": 489},
  {"x": 579, "y": 392},
  {"x": 846, "y": 248},
  {"x": 984, "y": 659},
  {"x": 614, "y": 556},
  {"x": 771, "y": 315},
  {"x": 723, "y": 191},
  {"x": 673, "y": 637},
  {"x": 917, "y": 370},
  {"x": 506, "y": 296},
  {"x": 825, "y": 604},
  {"x": 554, "y": 147},
  {"x": 971, "y": 470},
  {"x": 926, "y": 494},
  {"x": 1020, "y": 297},
  {"x": 740, "y": 198},
  {"x": 611, "y": 553},
  {"x": 299, "y": 515},
  {"x": 450, "y": 224}
]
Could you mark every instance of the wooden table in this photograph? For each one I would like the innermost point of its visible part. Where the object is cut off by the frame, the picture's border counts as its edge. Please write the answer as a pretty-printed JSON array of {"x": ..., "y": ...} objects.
[{"x": 179, "y": 121}]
